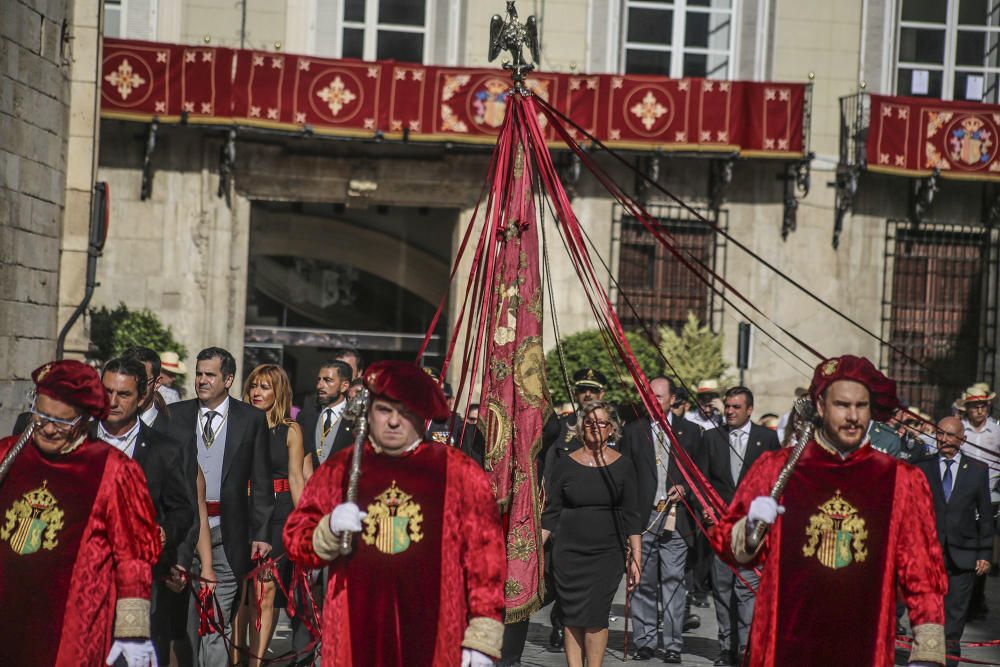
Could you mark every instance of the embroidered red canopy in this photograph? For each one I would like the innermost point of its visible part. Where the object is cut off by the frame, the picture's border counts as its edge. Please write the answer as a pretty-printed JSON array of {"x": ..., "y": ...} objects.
[
  {"x": 913, "y": 136},
  {"x": 198, "y": 84}
]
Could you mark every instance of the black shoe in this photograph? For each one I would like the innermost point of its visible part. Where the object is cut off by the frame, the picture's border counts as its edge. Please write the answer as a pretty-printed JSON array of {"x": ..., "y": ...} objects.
[
  {"x": 700, "y": 601},
  {"x": 691, "y": 622},
  {"x": 644, "y": 653},
  {"x": 556, "y": 638},
  {"x": 723, "y": 660},
  {"x": 672, "y": 657}
]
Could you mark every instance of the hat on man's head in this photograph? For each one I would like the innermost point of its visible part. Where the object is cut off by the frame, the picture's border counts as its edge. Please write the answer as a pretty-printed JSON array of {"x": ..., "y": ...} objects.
[
  {"x": 977, "y": 393},
  {"x": 75, "y": 383},
  {"x": 589, "y": 378},
  {"x": 171, "y": 363},
  {"x": 407, "y": 383},
  {"x": 881, "y": 389},
  {"x": 708, "y": 387}
]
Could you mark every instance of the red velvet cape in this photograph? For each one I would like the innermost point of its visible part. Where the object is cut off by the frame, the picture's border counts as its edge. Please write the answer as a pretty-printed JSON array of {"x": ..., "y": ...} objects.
[
  {"x": 60, "y": 584},
  {"x": 410, "y": 608},
  {"x": 840, "y": 613}
]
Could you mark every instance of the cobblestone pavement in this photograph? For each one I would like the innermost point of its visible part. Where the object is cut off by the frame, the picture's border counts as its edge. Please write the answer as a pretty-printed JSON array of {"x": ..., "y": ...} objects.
[{"x": 700, "y": 646}]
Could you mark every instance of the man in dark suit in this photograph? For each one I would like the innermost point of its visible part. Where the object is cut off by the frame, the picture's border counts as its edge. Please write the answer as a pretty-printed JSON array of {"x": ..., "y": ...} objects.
[
  {"x": 127, "y": 385},
  {"x": 660, "y": 490},
  {"x": 728, "y": 454},
  {"x": 153, "y": 410},
  {"x": 964, "y": 518},
  {"x": 231, "y": 438},
  {"x": 325, "y": 427}
]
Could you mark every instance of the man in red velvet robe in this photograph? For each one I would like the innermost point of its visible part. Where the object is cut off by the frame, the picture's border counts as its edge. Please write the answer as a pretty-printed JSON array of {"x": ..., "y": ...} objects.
[
  {"x": 424, "y": 584},
  {"x": 854, "y": 526},
  {"x": 78, "y": 536}
]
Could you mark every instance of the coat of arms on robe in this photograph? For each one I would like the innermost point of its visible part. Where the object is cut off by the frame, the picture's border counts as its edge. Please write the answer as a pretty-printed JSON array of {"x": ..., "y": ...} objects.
[
  {"x": 33, "y": 522},
  {"x": 837, "y": 534},
  {"x": 393, "y": 521}
]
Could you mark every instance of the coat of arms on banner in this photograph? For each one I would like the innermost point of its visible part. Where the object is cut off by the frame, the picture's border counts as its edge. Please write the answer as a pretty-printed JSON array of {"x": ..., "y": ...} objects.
[
  {"x": 836, "y": 535},
  {"x": 489, "y": 102},
  {"x": 970, "y": 142},
  {"x": 393, "y": 521},
  {"x": 33, "y": 522}
]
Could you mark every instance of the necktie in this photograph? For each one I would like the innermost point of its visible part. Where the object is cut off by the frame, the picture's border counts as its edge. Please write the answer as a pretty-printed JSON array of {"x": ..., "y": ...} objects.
[
  {"x": 207, "y": 432},
  {"x": 327, "y": 422},
  {"x": 736, "y": 455},
  {"x": 947, "y": 481}
]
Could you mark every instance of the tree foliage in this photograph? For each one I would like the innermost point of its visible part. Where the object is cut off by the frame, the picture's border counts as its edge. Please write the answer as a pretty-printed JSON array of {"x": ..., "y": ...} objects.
[
  {"x": 114, "y": 331},
  {"x": 695, "y": 354},
  {"x": 587, "y": 349}
]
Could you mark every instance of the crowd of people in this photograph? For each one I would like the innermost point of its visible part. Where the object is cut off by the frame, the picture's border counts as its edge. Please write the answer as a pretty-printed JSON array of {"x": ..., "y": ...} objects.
[{"x": 207, "y": 550}]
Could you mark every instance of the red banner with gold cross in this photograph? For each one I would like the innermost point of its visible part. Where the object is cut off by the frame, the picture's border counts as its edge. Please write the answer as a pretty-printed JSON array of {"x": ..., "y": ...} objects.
[
  {"x": 914, "y": 136},
  {"x": 413, "y": 102}
]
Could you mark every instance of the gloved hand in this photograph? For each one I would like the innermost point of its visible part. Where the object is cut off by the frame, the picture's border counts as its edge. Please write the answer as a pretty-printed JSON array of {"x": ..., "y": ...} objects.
[
  {"x": 136, "y": 652},
  {"x": 346, "y": 517},
  {"x": 764, "y": 508},
  {"x": 471, "y": 658}
]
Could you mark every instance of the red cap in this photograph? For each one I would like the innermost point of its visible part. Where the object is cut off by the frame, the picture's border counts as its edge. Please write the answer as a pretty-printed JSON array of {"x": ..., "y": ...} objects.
[
  {"x": 75, "y": 383},
  {"x": 848, "y": 367},
  {"x": 407, "y": 383}
]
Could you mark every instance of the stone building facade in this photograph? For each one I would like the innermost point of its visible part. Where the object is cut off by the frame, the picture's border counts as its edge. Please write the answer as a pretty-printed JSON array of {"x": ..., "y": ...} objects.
[
  {"x": 377, "y": 222},
  {"x": 48, "y": 59}
]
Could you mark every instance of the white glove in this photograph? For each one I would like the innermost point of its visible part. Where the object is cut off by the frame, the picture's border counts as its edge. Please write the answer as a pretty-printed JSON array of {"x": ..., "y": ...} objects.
[
  {"x": 137, "y": 653},
  {"x": 471, "y": 658},
  {"x": 346, "y": 517},
  {"x": 764, "y": 508}
]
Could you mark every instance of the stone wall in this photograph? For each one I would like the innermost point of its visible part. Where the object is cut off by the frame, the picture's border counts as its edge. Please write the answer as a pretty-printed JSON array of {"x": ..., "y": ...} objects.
[
  {"x": 34, "y": 107},
  {"x": 183, "y": 252}
]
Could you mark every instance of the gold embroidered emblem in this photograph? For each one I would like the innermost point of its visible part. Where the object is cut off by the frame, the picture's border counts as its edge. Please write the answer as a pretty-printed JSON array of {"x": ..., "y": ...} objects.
[
  {"x": 45, "y": 371},
  {"x": 830, "y": 367},
  {"x": 512, "y": 588},
  {"x": 393, "y": 521},
  {"x": 33, "y": 522},
  {"x": 520, "y": 544},
  {"x": 837, "y": 535}
]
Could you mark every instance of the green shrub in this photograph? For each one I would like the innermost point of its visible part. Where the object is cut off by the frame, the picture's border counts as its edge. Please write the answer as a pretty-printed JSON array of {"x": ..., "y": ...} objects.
[{"x": 588, "y": 350}]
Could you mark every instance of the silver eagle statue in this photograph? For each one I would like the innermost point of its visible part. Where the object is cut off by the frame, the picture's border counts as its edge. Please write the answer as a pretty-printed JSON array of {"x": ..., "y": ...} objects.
[{"x": 509, "y": 34}]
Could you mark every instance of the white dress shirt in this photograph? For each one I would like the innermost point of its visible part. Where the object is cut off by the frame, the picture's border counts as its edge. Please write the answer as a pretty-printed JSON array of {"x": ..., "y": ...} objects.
[
  {"x": 150, "y": 415},
  {"x": 987, "y": 438},
  {"x": 124, "y": 443}
]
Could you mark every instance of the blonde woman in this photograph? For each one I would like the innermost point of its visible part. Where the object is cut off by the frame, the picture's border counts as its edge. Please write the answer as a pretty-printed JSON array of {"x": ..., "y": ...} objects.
[
  {"x": 268, "y": 389},
  {"x": 593, "y": 515}
]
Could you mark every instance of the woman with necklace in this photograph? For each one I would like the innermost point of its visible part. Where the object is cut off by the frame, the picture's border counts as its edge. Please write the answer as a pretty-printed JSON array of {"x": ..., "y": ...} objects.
[{"x": 593, "y": 516}]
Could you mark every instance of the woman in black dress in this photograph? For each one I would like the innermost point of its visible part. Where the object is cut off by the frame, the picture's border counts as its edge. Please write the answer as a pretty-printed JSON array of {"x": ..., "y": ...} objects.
[
  {"x": 268, "y": 389},
  {"x": 593, "y": 517}
]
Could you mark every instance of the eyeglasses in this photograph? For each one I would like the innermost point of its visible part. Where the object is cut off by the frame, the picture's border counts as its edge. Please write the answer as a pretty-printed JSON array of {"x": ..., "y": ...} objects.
[
  {"x": 596, "y": 424},
  {"x": 62, "y": 425}
]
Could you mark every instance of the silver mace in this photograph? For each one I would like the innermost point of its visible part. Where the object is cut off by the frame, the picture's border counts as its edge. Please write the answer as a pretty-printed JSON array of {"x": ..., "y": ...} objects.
[
  {"x": 358, "y": 409},
  {"x": 8, "y": 459},
  {"x": 805, "y": 411}
]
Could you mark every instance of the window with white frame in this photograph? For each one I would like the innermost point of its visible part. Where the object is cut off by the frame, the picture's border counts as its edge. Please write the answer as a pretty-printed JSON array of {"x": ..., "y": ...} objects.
[
  {"x": 949, "y": 49},
  {"x": 375, "y": 29},
  {"x": 678, "y": 38},
  {"x": 130, "y": 19}
]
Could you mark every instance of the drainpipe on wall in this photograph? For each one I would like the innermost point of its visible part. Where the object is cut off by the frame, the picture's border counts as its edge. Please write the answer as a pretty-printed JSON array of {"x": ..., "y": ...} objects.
[{"x": 100, "y": 204}]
